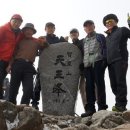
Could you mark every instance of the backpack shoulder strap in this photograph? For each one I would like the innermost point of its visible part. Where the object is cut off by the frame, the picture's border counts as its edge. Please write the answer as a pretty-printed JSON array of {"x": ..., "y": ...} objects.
[{"x": 102, "y": 40}]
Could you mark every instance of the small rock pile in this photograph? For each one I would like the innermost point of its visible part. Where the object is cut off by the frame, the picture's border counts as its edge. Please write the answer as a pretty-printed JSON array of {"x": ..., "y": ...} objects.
[{"x": 23, "y": 117}]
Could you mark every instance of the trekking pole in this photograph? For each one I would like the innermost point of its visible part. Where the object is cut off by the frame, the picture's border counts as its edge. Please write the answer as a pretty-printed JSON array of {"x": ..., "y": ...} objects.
[{"x": 128, "y": 19}]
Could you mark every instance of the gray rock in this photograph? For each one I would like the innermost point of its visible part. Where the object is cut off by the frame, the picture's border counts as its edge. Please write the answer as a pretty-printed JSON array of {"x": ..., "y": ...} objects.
[
  {"x": 54, "y": 121},
  {"x": 106, "y": 119},
  {"x": 9, "y": 110},
  {"x": 21, "y": 118},
  {"x": 21, "y": 107},
  {"x": 51, "y": 127},
  {"x": 63, "y": 124},
  {"x": 47, "y": 120},
  {"x": 126, "y": 115},
  {"x": 87, "y": 121},
  {"x": 59, "y": 75},
  {"x": 125, "y": 126},
  {"x": 81, "y": 127},
  {"x": 2, "y": 119},
  {"x": 77, "y": 120},
  {"x": 29, "y": 119},
  {"x": 70, "y": 128},
  {"x": 78, "y": 127}
]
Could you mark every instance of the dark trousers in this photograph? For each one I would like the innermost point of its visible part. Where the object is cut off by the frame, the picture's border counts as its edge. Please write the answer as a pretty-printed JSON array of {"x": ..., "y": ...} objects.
[
  {"x": 95, "y": 76},
  {"x": 3, "y": 73},
  {"x": 117, "y": 75},
  {"x": 21, "y": 71}
]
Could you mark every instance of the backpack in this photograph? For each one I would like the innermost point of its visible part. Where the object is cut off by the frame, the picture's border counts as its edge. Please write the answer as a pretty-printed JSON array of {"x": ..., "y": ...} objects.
[{"x": 102, "y": 40}]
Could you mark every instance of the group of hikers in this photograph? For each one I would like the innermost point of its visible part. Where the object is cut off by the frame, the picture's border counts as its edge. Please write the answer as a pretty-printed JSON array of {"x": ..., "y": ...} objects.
[{"x": 18, "y": 50}]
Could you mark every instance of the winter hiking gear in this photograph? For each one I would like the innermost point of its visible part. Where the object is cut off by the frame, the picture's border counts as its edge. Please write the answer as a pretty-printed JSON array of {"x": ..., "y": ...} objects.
[
  {"x": 119, "y": 109},
  {"x": 110, "y": 16}
]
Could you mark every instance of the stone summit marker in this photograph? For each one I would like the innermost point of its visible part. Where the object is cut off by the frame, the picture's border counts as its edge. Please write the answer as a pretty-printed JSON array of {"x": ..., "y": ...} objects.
[{"x": 59, "y": 76}]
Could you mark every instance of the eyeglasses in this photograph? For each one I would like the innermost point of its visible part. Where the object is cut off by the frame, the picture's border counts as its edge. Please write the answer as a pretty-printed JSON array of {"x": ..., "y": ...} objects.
[
  {"x": 17, "y": 21},
  {"x": 109, "y": 21}
]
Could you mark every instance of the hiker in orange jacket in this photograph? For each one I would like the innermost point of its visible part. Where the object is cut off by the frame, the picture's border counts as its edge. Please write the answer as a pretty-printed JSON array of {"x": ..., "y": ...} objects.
[{"x": 10, "y": 34}]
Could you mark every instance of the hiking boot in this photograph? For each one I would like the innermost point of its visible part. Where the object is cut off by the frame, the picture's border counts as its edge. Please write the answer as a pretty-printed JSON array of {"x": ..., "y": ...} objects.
[
  {"x": 103, "y": 107},
  {"x": 35, "y": 106},
  {"x": 119, "y": 109},
  {"x": 88, "y": 113}
]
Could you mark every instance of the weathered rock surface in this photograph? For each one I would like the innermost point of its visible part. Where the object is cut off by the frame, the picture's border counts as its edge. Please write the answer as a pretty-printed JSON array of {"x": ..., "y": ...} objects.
[
  {"x": 126, "y": 115},
  {"x": 23, "y": 117},
  {"x": 59, "y": 76},
  {"x": 2, "y": 119},
  {"x": 19, "y": 117},
  {"x": 106, "y": 119}
]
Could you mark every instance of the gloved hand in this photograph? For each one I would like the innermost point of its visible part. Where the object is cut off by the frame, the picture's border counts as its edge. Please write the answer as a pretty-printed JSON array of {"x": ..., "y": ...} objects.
[
  {"x": 104, "y": 63},
  {"x": 128, "y": 20},
  {"x": 81, "y": 67},
  {"x": 43, "y": 41}
]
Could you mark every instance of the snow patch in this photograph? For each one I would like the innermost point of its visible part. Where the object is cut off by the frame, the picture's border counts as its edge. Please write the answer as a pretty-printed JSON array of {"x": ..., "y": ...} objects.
[
  {"x": 51, "y": 127},
  {"x": 3, "y": 101},
  {"x": 13, "y": 124}
]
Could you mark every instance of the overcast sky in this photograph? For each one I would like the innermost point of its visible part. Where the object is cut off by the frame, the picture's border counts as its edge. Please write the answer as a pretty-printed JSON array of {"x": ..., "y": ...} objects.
[{"x": 67, "y": 14}]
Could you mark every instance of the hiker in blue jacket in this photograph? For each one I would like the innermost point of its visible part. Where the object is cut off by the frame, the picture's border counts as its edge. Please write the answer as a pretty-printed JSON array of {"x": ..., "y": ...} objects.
[
  {"x": 94, "y": 50},
  {"x": 117, "y": 59}
]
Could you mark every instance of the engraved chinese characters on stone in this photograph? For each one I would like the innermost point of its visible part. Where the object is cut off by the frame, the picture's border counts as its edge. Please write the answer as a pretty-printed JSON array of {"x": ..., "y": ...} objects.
[{"x": 59, "y": 76}]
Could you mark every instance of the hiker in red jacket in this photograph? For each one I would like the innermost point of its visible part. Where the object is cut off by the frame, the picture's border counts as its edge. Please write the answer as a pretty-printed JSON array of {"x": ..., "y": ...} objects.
[{"x": 10, "y": 34}]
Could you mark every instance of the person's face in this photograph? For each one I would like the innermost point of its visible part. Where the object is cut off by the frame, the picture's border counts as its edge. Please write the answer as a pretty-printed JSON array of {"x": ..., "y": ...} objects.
[
  {"x": 74, "y": 35},
  {"x": 89, "y": 28},
  {"x": 50, "y": 29},
  {"x": 15, "y": 23},
  {"x": 110, "y": 24},
  {"x": 28, "y": 32}
]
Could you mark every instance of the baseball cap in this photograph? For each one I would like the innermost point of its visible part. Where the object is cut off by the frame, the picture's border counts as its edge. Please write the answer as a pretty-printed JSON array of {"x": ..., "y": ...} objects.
[
  {"x": 50, "y": 24},
  {"x": 88, "y": 22},
  {"x": 74, "y": 30},
  {"x": 17, "y": 16}
]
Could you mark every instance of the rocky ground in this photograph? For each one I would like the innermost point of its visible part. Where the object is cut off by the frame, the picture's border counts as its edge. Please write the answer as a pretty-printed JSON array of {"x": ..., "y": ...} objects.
[{"x": 23, "y": 117}]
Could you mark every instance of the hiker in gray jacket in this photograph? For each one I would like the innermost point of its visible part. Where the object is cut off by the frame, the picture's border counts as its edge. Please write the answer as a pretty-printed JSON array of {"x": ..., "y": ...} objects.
[{"x": 94, "y": 50}]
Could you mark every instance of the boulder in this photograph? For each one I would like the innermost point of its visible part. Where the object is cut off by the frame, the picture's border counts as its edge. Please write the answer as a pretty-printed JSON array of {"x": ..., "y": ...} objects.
[{"x": 59, "y": 77}]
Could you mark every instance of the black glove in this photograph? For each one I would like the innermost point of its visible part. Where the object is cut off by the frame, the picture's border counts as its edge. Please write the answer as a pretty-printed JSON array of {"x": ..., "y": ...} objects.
[{"x": 81, "y": 67}]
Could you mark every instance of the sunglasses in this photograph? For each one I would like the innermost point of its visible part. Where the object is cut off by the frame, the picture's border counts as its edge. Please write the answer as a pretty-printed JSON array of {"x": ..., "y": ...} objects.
[{"x": 109, "y": 21}]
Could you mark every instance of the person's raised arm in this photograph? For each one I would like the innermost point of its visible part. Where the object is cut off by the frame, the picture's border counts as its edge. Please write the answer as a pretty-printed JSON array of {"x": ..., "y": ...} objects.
[{"x": 128, "y": 20}]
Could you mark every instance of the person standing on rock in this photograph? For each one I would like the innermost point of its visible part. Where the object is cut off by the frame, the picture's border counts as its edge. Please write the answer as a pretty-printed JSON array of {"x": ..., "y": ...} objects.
[
  {"x": 51, "y": 38},
  {"x": 74, "y": 35},
  {"x": 94, "y": 50},
  {"x": 22, "y": 69},
  {"x": 117, "y": 58},
  {"x": 10, "y": 34}
]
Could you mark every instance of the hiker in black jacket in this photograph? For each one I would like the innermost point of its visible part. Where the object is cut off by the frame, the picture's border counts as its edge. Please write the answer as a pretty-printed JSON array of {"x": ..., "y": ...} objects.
[
  {"x": 51, "y": 38},
  {"x": 74, "y": 35},
  {"x": 117, "y": 58}
]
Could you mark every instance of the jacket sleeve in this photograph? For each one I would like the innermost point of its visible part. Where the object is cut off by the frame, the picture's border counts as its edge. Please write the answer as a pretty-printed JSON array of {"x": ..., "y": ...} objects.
[
  {"x": 1, "y": 34},
  {"x": 125, "y": 32}
]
